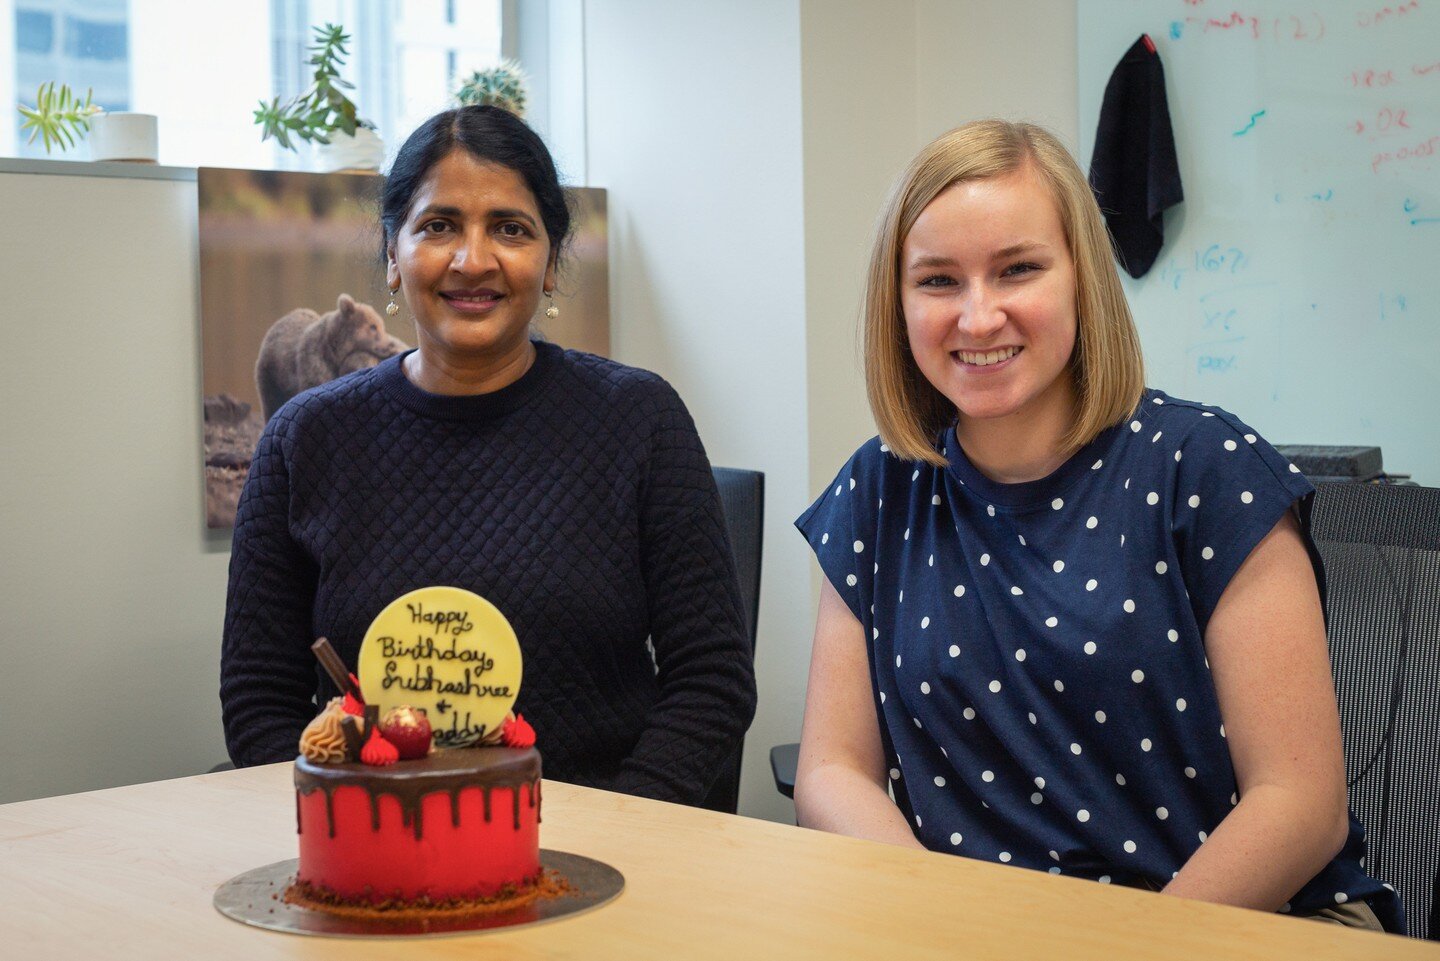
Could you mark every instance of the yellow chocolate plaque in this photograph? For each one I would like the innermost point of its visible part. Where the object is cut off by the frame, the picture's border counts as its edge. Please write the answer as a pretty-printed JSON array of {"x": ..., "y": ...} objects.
[{"x": 449, "y": 651}]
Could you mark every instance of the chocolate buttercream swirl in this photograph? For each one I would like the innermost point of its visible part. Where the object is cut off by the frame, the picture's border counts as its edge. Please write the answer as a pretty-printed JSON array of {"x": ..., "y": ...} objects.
[{"x": 323, "y": 741}]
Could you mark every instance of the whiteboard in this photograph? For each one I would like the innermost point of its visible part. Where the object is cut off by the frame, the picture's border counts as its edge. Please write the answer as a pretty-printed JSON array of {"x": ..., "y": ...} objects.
[{"x": 1299, "y": 284}]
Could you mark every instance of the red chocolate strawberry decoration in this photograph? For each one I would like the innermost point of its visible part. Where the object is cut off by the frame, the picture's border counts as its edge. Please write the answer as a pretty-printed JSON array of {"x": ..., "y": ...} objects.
[
  {"x": 517, "y": 732},
  {"x": 407, "y": 728}
]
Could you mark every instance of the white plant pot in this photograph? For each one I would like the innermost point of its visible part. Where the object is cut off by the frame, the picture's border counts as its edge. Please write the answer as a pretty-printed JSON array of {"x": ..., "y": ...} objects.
[
  {"x": 364, "y": 151},
  {"x": 133, "y": 137}
]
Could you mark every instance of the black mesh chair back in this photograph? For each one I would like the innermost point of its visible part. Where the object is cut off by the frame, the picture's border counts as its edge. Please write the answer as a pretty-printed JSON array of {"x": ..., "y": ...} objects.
[
  {"x": 742, "y": 495},
  {"x": 1381, "y": 547}
]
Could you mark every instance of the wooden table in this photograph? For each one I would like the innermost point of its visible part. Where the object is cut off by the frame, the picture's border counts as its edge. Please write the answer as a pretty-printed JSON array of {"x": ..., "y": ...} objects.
[{"x": 130, "y": 873}]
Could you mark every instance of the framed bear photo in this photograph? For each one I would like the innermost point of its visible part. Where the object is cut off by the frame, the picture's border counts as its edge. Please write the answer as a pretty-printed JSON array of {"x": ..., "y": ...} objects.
[{"x": 292, "y": 295}]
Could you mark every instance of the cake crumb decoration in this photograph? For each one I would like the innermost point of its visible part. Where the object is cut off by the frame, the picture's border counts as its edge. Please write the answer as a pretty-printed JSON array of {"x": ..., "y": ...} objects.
[
  {"x": 517, "y": 732},
  {"x": 323, "y": 741}
]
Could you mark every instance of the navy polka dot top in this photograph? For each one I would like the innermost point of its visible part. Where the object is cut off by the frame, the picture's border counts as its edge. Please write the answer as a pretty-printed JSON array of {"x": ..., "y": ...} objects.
[{"x": 1037, "y": 652}]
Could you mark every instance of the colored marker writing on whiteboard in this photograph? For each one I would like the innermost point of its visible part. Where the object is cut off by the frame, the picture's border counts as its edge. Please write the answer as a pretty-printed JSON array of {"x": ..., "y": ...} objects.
[
  {"x": 1250, "y": 126},
  {"x": 1425, "y": 148},
  {"x": 1410, "y": 206},
  {"x": 1372, "y": 17},
  {"x": 1309, "y": 28}
]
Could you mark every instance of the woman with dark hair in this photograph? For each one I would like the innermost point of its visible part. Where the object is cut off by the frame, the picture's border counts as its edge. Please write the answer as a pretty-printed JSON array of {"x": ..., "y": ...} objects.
[{"x": 569, "y": 490}]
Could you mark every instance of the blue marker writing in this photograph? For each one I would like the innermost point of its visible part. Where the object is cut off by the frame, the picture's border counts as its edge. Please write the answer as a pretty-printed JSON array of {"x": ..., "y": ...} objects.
[{"x": 1253, "y": 117}]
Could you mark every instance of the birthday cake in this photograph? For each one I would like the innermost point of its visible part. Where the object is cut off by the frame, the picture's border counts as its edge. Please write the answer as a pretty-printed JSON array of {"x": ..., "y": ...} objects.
[{"x": 398, "y": 814}]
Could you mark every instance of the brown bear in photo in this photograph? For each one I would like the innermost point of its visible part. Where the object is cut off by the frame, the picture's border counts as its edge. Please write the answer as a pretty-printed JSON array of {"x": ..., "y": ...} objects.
[{"x": 304, "y": 349}]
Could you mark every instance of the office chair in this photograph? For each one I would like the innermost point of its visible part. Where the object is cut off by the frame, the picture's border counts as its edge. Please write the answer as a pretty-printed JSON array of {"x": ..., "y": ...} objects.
[
  {"x": 742, "y": 495},
  {"x": 1381, "y": 547}
]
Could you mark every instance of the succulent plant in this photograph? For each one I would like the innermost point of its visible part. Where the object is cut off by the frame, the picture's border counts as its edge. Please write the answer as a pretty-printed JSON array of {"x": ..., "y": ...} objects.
[
  {"x": 59, "y": 116},
  {"x": 321, "y": 110},
  {"x": 501, "y": 86}
]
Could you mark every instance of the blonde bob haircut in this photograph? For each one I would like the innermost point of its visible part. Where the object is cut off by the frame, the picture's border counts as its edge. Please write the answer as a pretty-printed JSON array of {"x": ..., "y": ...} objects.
[{"x": 1106, "y": 365}]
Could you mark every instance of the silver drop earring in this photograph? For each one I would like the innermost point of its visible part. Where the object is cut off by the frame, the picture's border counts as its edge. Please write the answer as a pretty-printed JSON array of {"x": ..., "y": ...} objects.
[
  {"x": 552, "y": 311},
  {"x": 392, "y": 308}
]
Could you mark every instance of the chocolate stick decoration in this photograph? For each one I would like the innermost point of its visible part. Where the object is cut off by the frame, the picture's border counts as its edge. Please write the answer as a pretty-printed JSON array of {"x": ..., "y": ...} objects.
[
  {"x": 350, "y": 726},
  {"x": 335, "y": 668}
]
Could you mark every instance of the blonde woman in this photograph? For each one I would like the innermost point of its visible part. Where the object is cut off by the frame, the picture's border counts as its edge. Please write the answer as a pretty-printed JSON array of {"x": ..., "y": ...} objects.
[{"x": 1071, "y": 623}]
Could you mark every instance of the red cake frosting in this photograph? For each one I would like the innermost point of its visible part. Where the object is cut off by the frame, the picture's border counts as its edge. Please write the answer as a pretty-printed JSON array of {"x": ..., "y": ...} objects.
[
  {"x": 517, "y": 732},
  {"x": 459, "y": 825}
]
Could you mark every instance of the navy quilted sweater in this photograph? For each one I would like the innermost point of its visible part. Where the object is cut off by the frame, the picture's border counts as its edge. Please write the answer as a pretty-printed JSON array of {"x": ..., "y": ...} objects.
[{"x": 578, "y": 500}]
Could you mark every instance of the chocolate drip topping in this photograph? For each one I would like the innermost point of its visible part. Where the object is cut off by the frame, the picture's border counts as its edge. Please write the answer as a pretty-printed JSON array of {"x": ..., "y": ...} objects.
[{"x": 409, "y": 782}]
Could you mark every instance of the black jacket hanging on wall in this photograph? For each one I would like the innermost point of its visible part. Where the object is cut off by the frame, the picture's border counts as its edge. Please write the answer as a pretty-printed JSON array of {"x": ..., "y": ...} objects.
[{"x": 1133, "y": 171}]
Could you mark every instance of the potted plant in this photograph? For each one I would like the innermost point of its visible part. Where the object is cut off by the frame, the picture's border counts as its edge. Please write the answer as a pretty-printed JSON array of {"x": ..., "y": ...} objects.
[
  {"x": 62, "y": 119},
  {"x": 501, "y": 86},
  {"x": 323, "y": 115}
]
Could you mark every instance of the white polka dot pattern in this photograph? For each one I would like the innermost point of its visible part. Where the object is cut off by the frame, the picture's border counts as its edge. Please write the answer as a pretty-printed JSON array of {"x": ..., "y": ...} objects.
[{"x": 996, "y": 603}]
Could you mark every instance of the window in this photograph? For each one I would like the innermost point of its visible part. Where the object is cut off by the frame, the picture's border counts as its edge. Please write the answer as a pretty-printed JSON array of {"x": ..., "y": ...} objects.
[
  {"x": 203, "y": 75},
  {"x": 89, "y": 40},
  {"x": 34, "y": 31}
]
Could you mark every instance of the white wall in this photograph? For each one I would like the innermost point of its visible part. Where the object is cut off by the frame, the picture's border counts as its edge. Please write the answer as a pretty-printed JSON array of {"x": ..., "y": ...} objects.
[
  {"x": 1014, "y": 59},
  {"x": 859, "y": 119},
  {"x": 693, "y": 128}
]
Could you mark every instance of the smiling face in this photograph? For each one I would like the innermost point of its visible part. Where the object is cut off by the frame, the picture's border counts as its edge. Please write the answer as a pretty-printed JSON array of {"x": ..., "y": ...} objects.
[
  {"x": 472, "y": 259},
  {"x": 988, "y": 294}
]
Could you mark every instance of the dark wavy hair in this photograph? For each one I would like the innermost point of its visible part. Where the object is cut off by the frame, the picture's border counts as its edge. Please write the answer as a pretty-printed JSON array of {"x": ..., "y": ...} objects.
[{"x": 486, "y": 133}]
